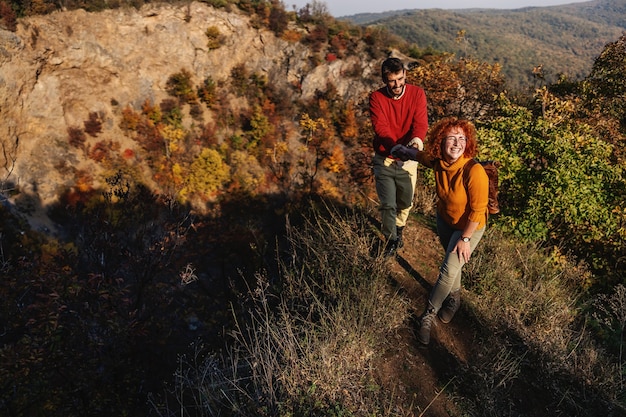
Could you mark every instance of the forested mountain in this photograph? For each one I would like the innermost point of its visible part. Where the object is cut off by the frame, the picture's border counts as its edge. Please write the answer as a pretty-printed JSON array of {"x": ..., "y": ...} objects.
[{"x": 559, "y": 39}]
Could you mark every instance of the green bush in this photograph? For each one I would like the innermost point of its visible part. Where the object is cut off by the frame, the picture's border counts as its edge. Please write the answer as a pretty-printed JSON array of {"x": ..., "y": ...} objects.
[{"x": 558, "y": 181}]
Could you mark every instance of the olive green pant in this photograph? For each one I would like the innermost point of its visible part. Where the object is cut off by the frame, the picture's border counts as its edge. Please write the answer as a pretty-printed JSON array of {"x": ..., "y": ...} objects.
[
  {"x": 449, "y": 278},
  {"x": 395, "y": 186}
]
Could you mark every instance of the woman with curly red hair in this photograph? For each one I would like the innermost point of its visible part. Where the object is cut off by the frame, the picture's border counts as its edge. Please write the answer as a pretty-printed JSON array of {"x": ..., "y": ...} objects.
[{"x": 462, "y": 189}]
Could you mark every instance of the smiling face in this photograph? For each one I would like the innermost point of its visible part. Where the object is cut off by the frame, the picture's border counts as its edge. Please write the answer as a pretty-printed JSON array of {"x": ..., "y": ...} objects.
[
  {"x": 395, "y": 82},
  {"x": 454, "y": 144}
]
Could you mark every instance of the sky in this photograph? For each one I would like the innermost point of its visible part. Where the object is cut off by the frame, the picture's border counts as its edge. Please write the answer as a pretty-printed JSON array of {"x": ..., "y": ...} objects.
[{"x": 339, "y": 8}]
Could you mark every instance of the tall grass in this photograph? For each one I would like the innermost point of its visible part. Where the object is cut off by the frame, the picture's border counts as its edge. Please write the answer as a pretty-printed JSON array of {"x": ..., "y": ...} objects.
[
  {"x": 304, "y": 342},
  {"x": 306, "y": 338},
  {"x": 534, "y": 311}
]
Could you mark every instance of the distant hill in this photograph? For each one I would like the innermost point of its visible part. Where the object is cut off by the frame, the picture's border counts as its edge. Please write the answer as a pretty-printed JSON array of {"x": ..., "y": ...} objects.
[{"x": 563, "y": 39}]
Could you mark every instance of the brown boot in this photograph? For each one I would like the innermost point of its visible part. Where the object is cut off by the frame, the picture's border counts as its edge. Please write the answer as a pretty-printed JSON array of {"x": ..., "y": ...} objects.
[
  {"x": 426, "y": 322},
  {"x": 450, "y": 306}
]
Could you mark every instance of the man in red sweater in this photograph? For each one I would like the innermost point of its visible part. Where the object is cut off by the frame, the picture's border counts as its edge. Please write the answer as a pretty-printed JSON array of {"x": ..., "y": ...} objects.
[{"x": 399, "y": 117}]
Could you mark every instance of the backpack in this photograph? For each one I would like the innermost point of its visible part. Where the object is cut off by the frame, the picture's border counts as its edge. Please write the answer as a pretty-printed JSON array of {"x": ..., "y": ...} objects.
[{"x": 491, "y": 168}]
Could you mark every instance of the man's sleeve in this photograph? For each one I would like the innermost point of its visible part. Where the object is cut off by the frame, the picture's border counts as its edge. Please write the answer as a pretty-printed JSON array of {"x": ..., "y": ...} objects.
[
  {"x": 420, "y": 116},
  {"x": 380, "y": 122}
]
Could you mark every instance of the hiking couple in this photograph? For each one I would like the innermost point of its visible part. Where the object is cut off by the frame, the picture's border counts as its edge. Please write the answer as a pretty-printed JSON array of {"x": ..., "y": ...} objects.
[{"x": 398, "y": 112}]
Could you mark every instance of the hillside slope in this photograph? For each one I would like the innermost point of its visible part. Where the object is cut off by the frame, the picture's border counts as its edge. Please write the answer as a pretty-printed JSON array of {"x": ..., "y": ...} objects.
[
  {"x": 60, "y": 69},
  {"x": 563, "y": 39},
  {"x": 468, "y": 368}
]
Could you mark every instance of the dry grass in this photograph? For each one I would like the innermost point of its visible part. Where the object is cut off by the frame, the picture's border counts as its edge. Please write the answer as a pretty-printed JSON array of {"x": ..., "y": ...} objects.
[
  {"x": 536, "y": 295},
  {"x": 305, "y": 343},
  {"x": 307, "y": 347}
]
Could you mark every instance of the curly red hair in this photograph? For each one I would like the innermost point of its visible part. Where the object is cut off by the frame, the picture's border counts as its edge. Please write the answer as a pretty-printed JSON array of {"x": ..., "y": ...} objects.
[{"x": 440, "y": 130}]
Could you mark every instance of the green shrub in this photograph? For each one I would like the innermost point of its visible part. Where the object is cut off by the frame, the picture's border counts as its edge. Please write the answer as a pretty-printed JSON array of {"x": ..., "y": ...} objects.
[{"x": 558, "y": 181}]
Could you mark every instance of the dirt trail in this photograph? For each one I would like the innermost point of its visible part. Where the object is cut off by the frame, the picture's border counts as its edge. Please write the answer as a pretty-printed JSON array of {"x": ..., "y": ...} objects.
[{"x": 416, "y": 373}]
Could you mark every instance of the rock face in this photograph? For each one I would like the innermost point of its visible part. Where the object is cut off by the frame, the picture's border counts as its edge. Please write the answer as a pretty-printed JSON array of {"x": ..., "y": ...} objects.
[{"x": 57, "y": 69}]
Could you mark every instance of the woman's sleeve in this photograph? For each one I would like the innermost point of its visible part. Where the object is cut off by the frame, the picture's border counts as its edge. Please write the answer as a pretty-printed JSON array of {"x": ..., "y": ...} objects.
[
  {"x": 478, "y": 193},
  {"x": 425, "y": 159}
]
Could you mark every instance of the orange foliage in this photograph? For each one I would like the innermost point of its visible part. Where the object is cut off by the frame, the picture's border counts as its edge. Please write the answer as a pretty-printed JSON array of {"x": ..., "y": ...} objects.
[
  {"x": 349, "y": 124},
  {"x": 291, "y": 36},
  {"x": 336, "y": 161},
  {"x": 326, "y": 188},
  {"x": 151, "y": 111},
  {"x": 458, "y": 87},
  {"x": 84, "y": 181},
  {"x": 130, "y": 119}
]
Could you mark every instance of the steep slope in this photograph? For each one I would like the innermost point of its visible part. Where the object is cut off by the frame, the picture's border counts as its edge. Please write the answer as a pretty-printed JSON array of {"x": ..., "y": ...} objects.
[{"x": 58, "y": 69}]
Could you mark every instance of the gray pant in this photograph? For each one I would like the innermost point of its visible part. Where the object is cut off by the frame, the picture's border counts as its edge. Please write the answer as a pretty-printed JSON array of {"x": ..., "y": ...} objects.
[
  {"x": 449, "y": 278},
  {"x": 395, "y": 186}
]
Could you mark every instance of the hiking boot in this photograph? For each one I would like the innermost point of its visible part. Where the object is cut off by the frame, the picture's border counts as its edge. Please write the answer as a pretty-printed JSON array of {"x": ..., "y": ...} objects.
[
  {"x": 450, "y": 306},
  {"x": 427, "y": 321},
  {"x": 399, "y": 230},
  {"x": 391, "y": 247}
]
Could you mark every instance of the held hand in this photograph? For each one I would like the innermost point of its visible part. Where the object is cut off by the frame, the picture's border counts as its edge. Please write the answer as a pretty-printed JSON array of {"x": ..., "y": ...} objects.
[
  {"x": 416, "y": 143},
  {"x": 403, "y": 153}
]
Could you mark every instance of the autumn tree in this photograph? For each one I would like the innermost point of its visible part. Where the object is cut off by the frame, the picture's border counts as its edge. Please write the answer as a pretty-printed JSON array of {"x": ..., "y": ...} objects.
[
  {"x": 207, "y": 92},
  {"x": 604, "y": 95},
  {"x": 76, "y": 137},
  {"x": 278, "y": 18},
  {"x": 465, "y": 88},
  {"x": 180, "y": 86},
  {"x": 208, "y": 174},
  {"x": 248, "y": 176},
  {"x": 93, "y": 125},
  {"x": 215, "y": 39},
  {"x": 259, "y": 127},
  {"x": 8, "y": 16},
  {"x": 349, "y": 123}
]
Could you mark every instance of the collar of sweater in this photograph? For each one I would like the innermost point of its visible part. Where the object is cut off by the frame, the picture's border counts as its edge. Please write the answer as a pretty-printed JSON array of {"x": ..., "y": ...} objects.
[{"x": 454, "y": 166}]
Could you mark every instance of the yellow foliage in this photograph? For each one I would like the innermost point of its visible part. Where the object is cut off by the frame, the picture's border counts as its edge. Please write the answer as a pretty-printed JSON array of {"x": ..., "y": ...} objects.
[
  {"x": 350, "y": 124},
  {"x": 214, "y": 36},
  {"x": 208, "y": 174},
  {"x": 177, "y": 174},
  {"x": 311, "y": 125},
  {"x": 152, "y": 112},
  {"x": 172, "y": 136},
  {"x": 277, "y": 152},
  {"x": 247, "y": 172}
]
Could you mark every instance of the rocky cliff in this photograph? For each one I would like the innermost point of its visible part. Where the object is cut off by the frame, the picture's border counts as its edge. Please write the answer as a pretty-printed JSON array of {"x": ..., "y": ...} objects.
[{"x": 57, "y": 69}]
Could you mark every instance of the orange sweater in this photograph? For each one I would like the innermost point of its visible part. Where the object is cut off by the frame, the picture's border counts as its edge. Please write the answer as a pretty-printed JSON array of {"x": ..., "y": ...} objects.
[{"x": 456, "y": 206}]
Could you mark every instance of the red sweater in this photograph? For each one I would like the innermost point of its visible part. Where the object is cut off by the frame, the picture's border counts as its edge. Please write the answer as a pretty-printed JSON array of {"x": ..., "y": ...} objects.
[{"x": 397, "y": 121}]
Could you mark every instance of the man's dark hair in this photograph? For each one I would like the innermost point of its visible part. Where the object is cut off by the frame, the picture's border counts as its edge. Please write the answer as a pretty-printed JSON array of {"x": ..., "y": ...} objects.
[{"x": 391, "y": 66}]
